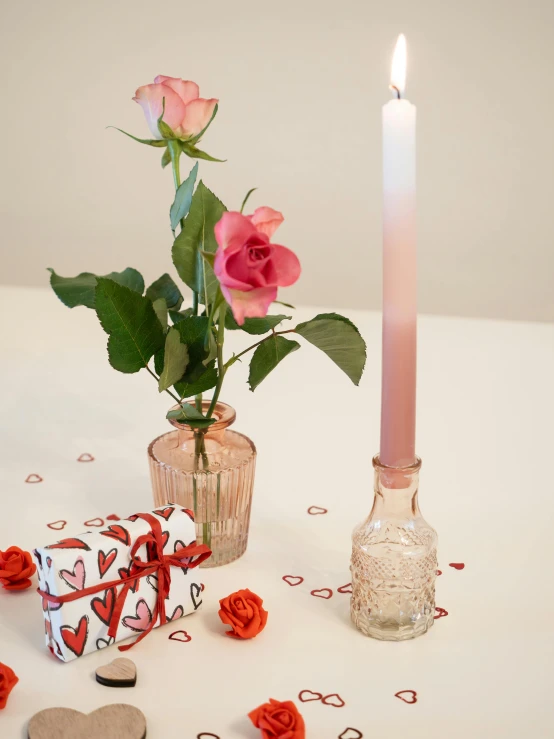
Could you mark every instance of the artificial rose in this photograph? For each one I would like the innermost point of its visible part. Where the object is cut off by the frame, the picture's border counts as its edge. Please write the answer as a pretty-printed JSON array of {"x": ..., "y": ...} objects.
[
  {"x": 267, "y": 220},
  {"x": 16, "y": 567},
  {"x": 8, "y": 681},
  {"x": 185, "y": 112},
  {"x": 278, "y": 720},
  {"x": 244, "y": 612},
  {"x": 249, "y": 268}
]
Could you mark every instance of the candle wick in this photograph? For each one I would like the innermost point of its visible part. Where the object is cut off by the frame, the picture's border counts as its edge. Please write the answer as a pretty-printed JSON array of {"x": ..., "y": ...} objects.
[{"x": 393, "y": 87}]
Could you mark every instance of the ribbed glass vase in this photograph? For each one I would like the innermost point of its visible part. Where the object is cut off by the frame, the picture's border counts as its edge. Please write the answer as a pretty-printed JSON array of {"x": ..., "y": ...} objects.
[{"x": 210, "y": 471}]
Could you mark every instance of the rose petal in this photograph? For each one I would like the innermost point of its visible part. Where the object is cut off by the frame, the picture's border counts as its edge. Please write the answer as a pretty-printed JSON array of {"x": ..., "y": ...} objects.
[
  {"x": 233, "y": 230},
  {"x": 252, "y": 304},
  {"x": 267, "y": 220},
  {"x": 197, "y": 116},
  {"x": 286, "y": 264},
  {"x": 186, "y": 90},
  {"x": 150, "y": 98}
]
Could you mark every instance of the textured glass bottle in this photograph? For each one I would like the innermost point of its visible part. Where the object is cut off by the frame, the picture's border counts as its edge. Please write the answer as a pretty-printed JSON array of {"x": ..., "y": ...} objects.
[
  {"x": 394, "y": 560},
  {"x": 212, "y": 473}
]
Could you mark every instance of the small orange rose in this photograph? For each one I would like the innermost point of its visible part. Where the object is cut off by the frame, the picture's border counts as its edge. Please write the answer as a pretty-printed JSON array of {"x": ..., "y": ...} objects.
[
  {"x": 16, "y": 567},
  {"x": 8, "y": 680},
  {"x": 243, "y": 611},
  {"x": 278, "y": 720}
]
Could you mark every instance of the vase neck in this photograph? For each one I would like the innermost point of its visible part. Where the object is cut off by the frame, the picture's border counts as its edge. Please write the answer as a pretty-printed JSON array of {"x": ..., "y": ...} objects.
[{"x": 396, "y": 490}]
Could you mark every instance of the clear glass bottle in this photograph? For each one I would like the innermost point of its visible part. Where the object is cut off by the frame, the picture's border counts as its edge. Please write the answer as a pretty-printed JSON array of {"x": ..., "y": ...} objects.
[
  {"x": 212, "y": 473},
  {"x": 394, "y": 560}
]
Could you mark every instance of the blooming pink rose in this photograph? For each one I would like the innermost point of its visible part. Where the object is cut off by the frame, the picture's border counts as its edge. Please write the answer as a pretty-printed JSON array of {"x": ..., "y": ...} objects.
[
  {"x": 249, "y": 268},
  {"x": 267, "y": 220},
  {"x": 186, "y": 113}
]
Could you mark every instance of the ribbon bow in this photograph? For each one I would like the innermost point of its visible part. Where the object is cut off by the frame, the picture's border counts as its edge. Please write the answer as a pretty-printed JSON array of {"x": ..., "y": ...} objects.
[{"x": 157, "y": 563}]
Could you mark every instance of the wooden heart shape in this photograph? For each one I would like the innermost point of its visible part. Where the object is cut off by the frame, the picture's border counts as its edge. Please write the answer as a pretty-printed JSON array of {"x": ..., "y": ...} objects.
[
  {"x": 316, "y": 510},
  {"x": 439, "y": 572},
  {"x": 180, "y": 636},
  {"x": 57, "y": 526},
  {"x": 117, "y": 721},
  {"x": 457, "y": 565},
  {"x": 325, "y": 593},
  {"x": 309, "y": 695},
  {"x": 293, "y": 580},
  {"x": 33, "y": 478},
  {"x": 113, "y": 517},
  {"x": 350, "y": 733},
  {"x": 441, "y": 612},
  {"x": 85, "y": 457},
  {"x": 334, "y": 700},
  {"x": 120, "y": 673},
  {"x": 408, "y": 696},
  {"x": 207, "y": 735},
  {"x": 346, "y": 589}
]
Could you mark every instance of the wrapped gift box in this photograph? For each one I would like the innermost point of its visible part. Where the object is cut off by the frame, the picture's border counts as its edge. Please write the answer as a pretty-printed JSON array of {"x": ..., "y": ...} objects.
[{"x": 119, "y": 581}]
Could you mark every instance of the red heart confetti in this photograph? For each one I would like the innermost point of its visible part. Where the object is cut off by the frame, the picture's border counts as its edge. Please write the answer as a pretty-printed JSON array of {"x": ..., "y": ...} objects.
[
  {"x": 334, "y": 700},
  {"x": 86, "y": 457},
  {"x": 180, "y": 636},
  {"x": 345, "y": 588},
  {"x": 202, "y": 587},
  {"x": 293, "y": 580},
  {"x": 324, "y": 593},
  {"x": 309, "y": 695},
  {"x": 351, "y": 734},
  {"x": 112, "y": 517},
  {"x": 441, "y": 612},
  {"x": 33, "y": 478},
  {"x": 206, "y": 735},
  {"x": 57, "y": 525},
  {"x": 316, "y": 510},
  {"x": 411, "y": 696},
  {"x": 457, "y": 565},
  {"x": 94, "y": 522},
  {"x": 439, "y": 572}
]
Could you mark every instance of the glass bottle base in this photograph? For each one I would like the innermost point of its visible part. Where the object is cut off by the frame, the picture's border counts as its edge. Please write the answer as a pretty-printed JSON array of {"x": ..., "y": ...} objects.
[{"x": 397, "y": 629}]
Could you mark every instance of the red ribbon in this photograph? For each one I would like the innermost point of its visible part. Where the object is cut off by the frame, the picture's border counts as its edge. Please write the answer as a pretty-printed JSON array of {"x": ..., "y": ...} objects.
[{"x": 158, "y": 563}]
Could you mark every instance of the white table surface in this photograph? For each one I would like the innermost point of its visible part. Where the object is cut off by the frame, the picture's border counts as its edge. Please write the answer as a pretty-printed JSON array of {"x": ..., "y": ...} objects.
[{"x": 485, "y": 419}]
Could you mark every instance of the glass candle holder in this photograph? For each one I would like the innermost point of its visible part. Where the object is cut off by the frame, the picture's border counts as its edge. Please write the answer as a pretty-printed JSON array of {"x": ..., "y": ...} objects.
[{"x": 394, "y": 560}]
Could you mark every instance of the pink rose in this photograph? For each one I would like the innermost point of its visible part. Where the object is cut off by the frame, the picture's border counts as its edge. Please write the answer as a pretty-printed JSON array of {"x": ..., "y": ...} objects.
[
  {"x": 248, "y": 267},
  {"x": 266, "y": 220},
  {"x": 185, "y": 112}
]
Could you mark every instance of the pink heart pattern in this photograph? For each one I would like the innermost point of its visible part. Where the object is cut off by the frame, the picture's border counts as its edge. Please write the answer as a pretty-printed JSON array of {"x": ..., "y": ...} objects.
[
  {"x": 75, "y": 579},
  {"x": 142, "y": 620}
]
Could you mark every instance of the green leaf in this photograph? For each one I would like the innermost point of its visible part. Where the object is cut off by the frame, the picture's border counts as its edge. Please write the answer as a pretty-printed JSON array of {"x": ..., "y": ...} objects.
[
  {"x": 205, "y": 382},
  {"x": 188, "y": 414},
  {"x": 286, "y": 305},
  {"x": 198, "y": 235},
  {"x": 176, "y": 358},
  {"x": 193, "y": 332},
  {"x": 166, "y": 158},
  {"x": 74, "y": 291},
  {"x": 339, "y": 338},
  {"x": 196, "y": 139},
  {"x": 177, "y": 316},
  {"x": 209, "y": 258},
  {"x": 165, "y": 130},
  {"x": 267, "y": 356},
  {"x": 183, "y": 198},
  {"x": 165, "y": 287},
  {"x": 148, "y": 142},
  {"x": 248, "y": 194},
  {"x": 194, "y": 153},
  {"x": 255, "y": 326},
  {"x": 131, "y": 322},
  {"x": 160, "y": 308}
]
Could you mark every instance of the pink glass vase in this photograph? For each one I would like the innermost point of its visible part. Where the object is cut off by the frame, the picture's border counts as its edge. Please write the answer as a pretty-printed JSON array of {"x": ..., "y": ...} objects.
[{"x": 210, "y": 471}]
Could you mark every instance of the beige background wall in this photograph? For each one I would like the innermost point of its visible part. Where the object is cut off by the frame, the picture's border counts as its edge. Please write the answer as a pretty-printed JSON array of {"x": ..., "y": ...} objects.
[{"x": 301, "y": 86}]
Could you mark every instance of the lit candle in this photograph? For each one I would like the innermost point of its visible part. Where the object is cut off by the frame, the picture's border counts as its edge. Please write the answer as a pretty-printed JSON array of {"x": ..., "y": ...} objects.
[{"x": 398, "y": 398}]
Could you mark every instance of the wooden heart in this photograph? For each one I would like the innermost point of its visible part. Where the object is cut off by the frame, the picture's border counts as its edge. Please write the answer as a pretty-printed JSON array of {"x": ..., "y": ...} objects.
[
  {"x": 121, "y": 673},
  {"x": 408, "y": 696},
  {"x": 293, "y": 580},
  {"x": 350, "y": 733},
  {"x": 117, "y": 721}
]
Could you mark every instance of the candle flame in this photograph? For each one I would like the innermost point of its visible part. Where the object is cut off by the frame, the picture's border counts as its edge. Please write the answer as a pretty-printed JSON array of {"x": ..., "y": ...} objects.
[{"x": 398, "y": 71}]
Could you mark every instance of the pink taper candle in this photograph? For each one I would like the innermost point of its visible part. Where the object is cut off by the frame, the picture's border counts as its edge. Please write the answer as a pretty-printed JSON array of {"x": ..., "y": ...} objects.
[{"x": 398, "y": 398}]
